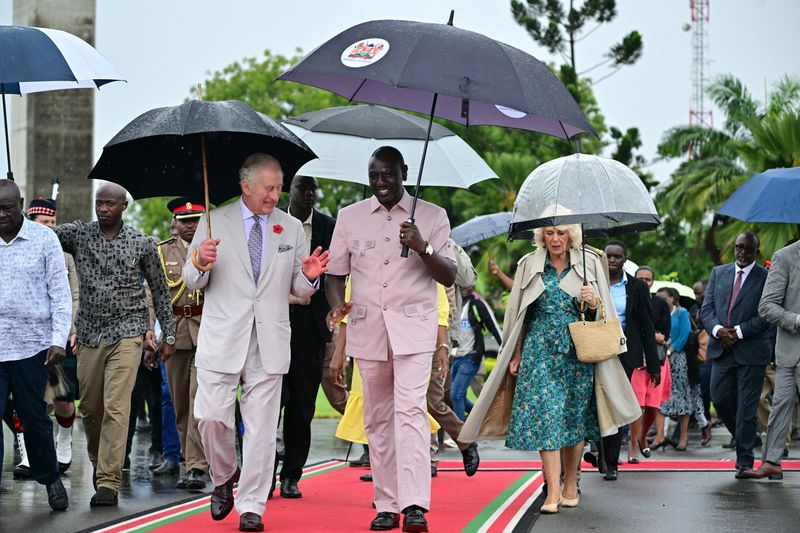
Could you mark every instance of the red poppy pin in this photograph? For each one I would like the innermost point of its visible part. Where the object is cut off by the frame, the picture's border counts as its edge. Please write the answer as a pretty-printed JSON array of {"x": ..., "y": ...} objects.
[{"x": 277, "y": 228}]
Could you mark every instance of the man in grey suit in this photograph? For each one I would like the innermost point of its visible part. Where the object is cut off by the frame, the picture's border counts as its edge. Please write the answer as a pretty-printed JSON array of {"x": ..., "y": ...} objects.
[
  {"x": 780, "y": 306},
  {"x": 259, "y": 258},
  {"x": 737, "y": 346}
]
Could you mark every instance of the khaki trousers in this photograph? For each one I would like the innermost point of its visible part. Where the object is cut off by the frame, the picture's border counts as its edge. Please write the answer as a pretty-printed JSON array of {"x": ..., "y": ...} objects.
[
  {"x": 439, "y": 410},
  {"x": 182, "y": 380},
  {"x": 336, "y": 393},
  {"x": 106, "y": 376}
]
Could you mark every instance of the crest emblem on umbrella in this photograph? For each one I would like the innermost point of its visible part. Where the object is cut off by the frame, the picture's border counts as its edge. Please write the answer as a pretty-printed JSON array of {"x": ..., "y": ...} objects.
[{"x": 365, "y": 52}]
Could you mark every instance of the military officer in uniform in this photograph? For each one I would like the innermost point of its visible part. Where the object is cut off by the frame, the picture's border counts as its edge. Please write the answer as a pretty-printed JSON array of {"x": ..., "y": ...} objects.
[{"x": 181, "y": 372}]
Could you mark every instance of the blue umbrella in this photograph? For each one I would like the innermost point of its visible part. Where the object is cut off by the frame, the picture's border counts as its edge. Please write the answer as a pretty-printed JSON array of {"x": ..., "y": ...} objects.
[
  {"x": 772, "y": 196},
  {"x": 42, "y": 59},
  {"x": 481, "y": 228}
]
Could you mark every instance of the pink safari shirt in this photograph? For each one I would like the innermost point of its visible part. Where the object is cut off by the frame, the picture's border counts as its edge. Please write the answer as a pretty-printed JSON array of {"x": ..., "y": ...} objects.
[{"x": 394, "y": 299}]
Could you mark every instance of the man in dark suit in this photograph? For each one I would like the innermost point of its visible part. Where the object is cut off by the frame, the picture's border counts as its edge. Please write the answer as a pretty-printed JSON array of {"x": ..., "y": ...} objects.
[
  {"x": 737, "y": 346},
  {"x": 309, "y": 335},
  {"x": 632, "y": 303}
]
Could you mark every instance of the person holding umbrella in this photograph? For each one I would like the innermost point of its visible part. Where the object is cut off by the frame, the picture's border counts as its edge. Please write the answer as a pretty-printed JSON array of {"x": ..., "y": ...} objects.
[
  {"x": 259, "y": 257},
  {"x": 392, "y": 329}
]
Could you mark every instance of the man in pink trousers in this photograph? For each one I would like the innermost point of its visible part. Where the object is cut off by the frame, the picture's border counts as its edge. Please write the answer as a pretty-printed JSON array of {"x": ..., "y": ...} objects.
[{"x": 391, "y": 329}]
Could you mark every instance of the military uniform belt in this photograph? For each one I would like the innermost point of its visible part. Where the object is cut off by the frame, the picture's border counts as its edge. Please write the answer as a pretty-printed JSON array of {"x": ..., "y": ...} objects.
[{"x": 187, "y": 310}]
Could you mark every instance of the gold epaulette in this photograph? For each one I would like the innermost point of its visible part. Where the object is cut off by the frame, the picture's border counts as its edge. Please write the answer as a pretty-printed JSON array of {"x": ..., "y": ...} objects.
[{"x": 171, "y": 239}]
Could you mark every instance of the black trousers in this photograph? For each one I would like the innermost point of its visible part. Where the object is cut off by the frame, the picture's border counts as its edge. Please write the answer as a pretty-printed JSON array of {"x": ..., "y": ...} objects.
[
  {"x": 147, "y": 389},
  {"x": 299, "y": 393},
  {"x": 26, "y": 380},
  {"x": 735, "y": 391},
  {"x": 613, "y": 443}
]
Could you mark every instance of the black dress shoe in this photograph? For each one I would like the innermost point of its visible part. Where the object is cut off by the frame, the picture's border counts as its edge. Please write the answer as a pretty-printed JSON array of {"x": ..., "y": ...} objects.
[
  {"x": 434, "y": 471},
  {"x": 250, "y": 522},
  {"x": 730, "y": 445},
  {"x": 414, "y": 519},
  {"x": 595, "y": 460},
  {"x": 156, "y": 459},
  {"x": 361, "y": 461},
  {"x": 181, "y": 484},
  {"x": 471, "y": 459},
  {"x": 104, "y": 497},
  {"x": 167, "y": 468},
  {"x": 610, "y": 475},
  {"x": 385, "y": 522},
  {"x": 366, "y": 477},
  {"x": 289, "y": 489},
  {"x": 741, "y": 472},
  {"x": 222, "y": 498},
  {"x": 22, "y": 472},
  {"x": 57, "y": 496},
  {"x": 195, "y": 479}
]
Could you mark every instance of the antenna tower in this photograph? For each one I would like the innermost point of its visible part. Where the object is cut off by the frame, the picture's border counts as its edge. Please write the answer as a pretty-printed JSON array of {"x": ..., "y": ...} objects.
[{"x": 698, "y": 114}]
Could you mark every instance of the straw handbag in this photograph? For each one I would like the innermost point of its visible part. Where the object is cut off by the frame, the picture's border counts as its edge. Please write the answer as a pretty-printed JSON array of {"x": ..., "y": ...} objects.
[{"x": 598, "y": 340}]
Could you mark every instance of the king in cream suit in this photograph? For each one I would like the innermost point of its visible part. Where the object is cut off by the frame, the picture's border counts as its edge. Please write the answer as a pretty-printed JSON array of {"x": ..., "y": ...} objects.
[{"x": 259, "y": 258}]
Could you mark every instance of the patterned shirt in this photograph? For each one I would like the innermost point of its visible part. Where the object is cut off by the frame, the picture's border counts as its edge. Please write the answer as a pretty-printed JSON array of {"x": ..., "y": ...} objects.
[
  {"x": 112, "y": 295},
  {"x": 34, "y": 295}
]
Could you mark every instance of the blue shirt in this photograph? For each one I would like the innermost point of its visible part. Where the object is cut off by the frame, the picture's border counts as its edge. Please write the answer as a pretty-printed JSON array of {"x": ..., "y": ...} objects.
[
  {"x": 35, "y": 299},
  {"x": 618, "y": 294}
]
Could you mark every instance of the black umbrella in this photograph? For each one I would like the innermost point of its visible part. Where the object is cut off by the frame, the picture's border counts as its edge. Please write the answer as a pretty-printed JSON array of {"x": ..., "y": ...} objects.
[
  {"x": 442, "y": 71},
  {"x": 170, "y": 151},
  {"x": 159, "y": 153}
]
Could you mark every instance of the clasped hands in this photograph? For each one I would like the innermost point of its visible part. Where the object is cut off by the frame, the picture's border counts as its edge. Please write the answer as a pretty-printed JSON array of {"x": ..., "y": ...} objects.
[
  {"x": 313, "y": 266},
  {"x": 728, "y": 338}
]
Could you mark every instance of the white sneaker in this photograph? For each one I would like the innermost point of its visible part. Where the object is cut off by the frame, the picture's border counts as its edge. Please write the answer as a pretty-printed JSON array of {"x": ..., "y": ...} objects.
[{"x": 64, "y": 447}]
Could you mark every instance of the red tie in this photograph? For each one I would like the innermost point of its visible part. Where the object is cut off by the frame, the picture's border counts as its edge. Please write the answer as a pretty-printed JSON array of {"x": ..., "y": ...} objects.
[{"x": 736, "y": 288}]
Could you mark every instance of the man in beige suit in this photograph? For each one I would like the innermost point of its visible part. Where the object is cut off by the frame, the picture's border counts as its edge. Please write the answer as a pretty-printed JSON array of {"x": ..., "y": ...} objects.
[{"x": 259, "y": 257}]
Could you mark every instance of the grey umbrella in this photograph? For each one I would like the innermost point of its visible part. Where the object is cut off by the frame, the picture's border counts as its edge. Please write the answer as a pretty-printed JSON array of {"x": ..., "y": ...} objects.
[{"x": 481, "y": 228}]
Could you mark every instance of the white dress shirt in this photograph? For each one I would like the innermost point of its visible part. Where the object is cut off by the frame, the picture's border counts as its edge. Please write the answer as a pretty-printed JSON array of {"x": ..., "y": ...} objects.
[
  {"x": 35, "y": 299},
  {"x": 745, "y": 272}
]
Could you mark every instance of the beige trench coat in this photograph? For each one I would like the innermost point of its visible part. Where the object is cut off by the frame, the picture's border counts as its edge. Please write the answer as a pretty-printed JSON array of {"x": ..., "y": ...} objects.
[{"x": 616, "y": 402}]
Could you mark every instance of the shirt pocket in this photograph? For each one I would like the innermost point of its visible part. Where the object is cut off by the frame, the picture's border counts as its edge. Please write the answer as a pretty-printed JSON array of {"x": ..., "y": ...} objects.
[
  {"x": 356, "y": 315},
  {"x": 362, "y": 253},
  {"x": 421, "y": 321}
]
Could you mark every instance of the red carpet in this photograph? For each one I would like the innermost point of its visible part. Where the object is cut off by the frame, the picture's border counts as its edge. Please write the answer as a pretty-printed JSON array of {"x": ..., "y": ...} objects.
[{"x": 335, "y": 500}]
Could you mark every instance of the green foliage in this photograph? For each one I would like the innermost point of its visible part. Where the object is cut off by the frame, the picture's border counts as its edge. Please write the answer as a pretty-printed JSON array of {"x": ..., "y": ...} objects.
[
  {"x": 755, "y": 137},
  {"x": 150, "y": 216}
]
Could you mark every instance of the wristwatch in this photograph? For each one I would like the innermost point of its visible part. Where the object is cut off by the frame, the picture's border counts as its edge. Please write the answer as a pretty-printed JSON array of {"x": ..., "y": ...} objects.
[
  {"x": 170, "y": 339},
  {"x": 443, "y": 345},
  {"x": 428, "y": 249}
]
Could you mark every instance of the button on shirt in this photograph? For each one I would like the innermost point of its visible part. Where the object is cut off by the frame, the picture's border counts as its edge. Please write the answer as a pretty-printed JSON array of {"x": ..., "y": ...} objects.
[
  {"x": 619, "y": 295},
  {"x": 113, "y": 305},
  {"x": 745, "y": 272},
  {"x": 35, "y": 297}
]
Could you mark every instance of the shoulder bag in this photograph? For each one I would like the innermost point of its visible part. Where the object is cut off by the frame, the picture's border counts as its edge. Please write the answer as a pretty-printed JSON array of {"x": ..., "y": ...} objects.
[{"x": 596, "y": 340}]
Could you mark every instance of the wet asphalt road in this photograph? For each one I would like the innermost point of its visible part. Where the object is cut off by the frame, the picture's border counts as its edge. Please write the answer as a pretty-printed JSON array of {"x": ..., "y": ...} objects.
[{"x": 642, "y": 502}]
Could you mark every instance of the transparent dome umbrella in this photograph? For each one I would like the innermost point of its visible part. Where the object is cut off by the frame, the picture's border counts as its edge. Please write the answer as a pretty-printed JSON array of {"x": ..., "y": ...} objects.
[
  {"x": 602, "y": 195},
  {"x": 480, "y": 228}
]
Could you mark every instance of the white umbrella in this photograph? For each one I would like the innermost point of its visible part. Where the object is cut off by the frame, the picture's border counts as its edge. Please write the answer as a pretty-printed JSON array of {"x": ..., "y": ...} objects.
[{"x": 344, "y": 138}]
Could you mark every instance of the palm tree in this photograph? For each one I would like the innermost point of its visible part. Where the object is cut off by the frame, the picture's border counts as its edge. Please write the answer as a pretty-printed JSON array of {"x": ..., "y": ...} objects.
[{"x": 754, "y": 138}]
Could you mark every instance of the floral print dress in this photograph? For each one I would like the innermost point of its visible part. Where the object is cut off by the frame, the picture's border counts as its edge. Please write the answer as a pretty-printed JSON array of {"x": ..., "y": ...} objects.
[{"x": 553, "y": 406}]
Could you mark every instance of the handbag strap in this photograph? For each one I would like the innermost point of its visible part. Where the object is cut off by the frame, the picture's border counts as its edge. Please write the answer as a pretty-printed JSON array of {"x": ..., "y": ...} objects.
[{"x": 602, "y": 310}]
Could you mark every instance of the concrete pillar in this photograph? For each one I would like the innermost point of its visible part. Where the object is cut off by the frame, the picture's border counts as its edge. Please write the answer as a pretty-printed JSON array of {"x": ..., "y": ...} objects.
[{"x": 51, "y": 132}]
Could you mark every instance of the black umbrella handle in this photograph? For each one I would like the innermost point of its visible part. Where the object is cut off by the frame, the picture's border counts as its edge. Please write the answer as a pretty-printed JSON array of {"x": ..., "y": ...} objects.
[
  {"x": 9, "y": 174},
  {"x": 404, "y": 251}
]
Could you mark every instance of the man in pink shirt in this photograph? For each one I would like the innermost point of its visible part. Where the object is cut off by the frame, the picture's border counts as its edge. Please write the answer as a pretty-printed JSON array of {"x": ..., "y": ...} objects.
[{"x": 391, "y": 329}]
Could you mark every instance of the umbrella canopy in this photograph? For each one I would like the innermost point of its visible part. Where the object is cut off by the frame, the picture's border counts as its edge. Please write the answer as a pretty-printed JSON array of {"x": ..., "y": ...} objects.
[
  {"x": 478, "y": 80},
  {"x": 772, "y": 196},
  {"x": 159, "y": 152},
  {"x": 481, "y": 228},
  {"x": 604, "y": 195},
  {"x": 345, "y": 137},
  {"x": 686, "y": 293},
  {"x": 40, "y": 59}
]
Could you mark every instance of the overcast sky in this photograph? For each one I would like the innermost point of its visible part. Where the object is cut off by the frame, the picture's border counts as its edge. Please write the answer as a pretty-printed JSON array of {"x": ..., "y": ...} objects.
[{"x": 165, "y": 47}]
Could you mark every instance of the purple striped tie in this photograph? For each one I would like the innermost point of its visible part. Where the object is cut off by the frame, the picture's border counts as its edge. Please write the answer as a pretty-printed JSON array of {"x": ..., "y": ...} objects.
[{"x": 736, "y": 288}]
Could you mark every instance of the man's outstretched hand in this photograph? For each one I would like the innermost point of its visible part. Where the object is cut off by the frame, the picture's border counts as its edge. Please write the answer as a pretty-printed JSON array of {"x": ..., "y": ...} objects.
[{"x": 315, "y": 264}]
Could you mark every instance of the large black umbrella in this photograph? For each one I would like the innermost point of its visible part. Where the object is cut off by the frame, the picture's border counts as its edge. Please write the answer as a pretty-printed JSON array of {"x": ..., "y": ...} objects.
[
  {"x": 442, "y": 71},
  {"x": 170, "y": 151},
  {"x": 159, "y": 153}
]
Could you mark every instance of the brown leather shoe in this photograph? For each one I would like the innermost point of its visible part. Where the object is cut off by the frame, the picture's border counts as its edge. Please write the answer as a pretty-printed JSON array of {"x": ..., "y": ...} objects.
[{"x": 768, "y": 470}]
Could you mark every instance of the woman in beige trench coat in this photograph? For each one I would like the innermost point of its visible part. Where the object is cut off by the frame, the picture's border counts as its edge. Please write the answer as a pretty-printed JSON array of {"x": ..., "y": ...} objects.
[{"x": 615, "y": 400}]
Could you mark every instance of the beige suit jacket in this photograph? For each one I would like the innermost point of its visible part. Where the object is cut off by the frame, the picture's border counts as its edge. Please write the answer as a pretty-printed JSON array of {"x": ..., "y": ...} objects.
[{"x": 234, "y": 303}]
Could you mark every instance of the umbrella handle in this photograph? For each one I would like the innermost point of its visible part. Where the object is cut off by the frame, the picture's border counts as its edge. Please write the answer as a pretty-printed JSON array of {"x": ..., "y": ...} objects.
[{"x": 197, "y": 264}]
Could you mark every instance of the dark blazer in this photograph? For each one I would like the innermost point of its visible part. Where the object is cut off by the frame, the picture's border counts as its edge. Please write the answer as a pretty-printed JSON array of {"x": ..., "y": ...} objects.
[
  {"x": 639, "y": 330},
  {"x": 754, "y": 348},
  {"x": 662, "y": 320},
  {"x": 321, "y": 233}
]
